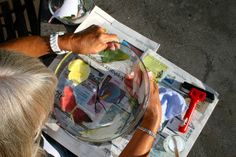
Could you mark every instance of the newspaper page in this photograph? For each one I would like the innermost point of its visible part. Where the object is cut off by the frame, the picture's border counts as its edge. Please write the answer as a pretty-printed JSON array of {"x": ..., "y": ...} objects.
[
  {"x": 167, "y": 75},
  {"x": 129, "y": 38},
  {"x": 170, "y": 76},
  {"x": 101, "y": 18}
]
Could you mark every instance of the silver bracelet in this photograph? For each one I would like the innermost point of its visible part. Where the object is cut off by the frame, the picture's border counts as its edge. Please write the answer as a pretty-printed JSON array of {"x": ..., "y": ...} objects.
[
  {"x": 149, "y": 132},
  {"x": 54, "y": 43}
]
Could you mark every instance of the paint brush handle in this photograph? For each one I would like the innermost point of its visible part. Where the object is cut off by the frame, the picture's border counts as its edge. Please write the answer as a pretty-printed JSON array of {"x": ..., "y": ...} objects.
[{"x": 176, "y": 148}]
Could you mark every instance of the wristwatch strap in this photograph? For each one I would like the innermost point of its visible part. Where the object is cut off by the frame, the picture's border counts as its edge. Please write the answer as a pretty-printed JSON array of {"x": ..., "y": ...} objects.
[{"x": 54, "y": 43}]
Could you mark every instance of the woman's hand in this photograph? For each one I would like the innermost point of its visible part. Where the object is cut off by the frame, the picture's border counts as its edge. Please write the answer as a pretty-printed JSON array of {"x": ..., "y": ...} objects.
[
  {"x": 141, "y": 142},
  {"x": 91, "y": 40},
  {"x": 152, "y": 116}
]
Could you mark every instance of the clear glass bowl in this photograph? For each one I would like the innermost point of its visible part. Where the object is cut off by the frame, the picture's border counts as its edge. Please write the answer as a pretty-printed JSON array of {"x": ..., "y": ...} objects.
[
  {"x": 84, "y": 8},
  {"x": 99, "y": 98}
]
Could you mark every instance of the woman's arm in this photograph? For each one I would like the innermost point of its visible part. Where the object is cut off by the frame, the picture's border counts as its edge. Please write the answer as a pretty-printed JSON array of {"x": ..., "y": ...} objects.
[
  {"x": 90, "y": 40},
  {"x": 141, "y": 142},
  {"x": 34, "y": 46}
]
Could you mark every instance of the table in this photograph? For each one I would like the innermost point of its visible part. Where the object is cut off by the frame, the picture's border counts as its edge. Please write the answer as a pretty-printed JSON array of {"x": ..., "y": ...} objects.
[{"x": 115, "y": 147}]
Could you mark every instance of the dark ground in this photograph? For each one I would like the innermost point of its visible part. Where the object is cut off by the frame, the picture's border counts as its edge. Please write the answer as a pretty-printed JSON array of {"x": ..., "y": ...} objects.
[{"x": 200, "y": 37}]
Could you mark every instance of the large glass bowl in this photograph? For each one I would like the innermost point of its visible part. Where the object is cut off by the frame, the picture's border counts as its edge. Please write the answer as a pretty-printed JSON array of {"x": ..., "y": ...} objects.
[
  {"x": 108, "y": 98},
  {"x": 84, "y": 8}
]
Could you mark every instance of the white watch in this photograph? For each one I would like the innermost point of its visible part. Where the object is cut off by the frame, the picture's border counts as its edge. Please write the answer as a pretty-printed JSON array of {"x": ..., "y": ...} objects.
[{"x": 54, "y": 43}]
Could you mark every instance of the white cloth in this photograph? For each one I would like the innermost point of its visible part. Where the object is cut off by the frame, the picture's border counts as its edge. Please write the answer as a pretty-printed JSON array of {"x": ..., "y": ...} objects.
[{"x": 173, "y": 103}]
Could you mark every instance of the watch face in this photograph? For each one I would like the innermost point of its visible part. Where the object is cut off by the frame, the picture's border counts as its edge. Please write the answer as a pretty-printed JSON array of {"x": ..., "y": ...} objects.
[{"x": 103, "y": 96}]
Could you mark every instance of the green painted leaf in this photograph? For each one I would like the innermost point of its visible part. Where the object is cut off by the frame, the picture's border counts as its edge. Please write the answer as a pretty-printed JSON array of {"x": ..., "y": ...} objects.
[{"x": 112, "y": 56}]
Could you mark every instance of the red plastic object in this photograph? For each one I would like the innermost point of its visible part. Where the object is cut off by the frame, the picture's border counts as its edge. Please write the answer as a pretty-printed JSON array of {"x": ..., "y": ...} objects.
[{"x": 196, "y": 97}]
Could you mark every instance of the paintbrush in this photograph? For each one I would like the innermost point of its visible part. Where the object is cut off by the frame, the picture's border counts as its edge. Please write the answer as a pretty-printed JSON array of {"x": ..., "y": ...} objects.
[{"x": 176, "y": 148}]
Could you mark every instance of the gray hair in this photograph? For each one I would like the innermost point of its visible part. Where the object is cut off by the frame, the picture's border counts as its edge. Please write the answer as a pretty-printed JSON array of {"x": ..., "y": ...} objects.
[{"x": 26, "y": 99}]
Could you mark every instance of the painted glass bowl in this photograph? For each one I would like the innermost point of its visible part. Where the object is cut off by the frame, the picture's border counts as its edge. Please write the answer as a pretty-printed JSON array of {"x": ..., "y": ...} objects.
[{"x": 101, "y": 97}]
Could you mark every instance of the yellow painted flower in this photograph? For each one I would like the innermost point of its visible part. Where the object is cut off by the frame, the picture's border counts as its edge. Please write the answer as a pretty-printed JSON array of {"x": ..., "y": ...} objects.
[{"x": 79, "y": 71}]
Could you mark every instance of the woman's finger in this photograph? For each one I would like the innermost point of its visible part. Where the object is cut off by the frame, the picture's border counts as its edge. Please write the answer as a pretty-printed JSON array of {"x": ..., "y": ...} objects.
[
  {"x": 111, "y": 46},
  {"x": 109, "y": 38},
  {"x": 153, "y": 85},
  {"x": 117, "y": 45},
  {"x": 101, "y": 30},
  {"x": 98, "y": 48}
]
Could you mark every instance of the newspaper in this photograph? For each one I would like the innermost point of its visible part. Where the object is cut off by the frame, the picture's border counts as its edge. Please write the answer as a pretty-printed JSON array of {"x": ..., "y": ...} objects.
[
  {"x": 169, "y": 75},
  {"x": 101, "y": 18},
  {"x": 166, "y": 74}
]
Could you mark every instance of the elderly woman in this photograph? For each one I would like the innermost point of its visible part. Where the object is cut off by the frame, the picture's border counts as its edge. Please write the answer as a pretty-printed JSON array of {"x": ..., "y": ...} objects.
[{"x": 27, "y": 92}]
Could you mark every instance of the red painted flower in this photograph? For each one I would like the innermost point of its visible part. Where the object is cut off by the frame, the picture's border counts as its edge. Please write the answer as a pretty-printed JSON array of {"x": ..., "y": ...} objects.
[
  {"x": 67, "y": 101},
  {"x": 68, "y": 104},
  {"x": 80, "y": 116}
]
